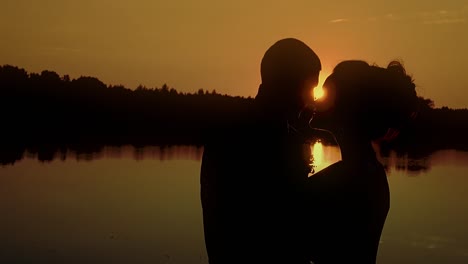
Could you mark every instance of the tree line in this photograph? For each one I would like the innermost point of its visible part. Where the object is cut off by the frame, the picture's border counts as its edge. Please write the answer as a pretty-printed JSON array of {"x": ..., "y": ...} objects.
[{"x": 48, "y": 113}]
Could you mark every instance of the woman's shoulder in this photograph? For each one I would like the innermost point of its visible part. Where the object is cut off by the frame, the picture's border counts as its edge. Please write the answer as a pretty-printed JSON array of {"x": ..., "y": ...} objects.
[
  {"x": 343, "y": 175},
  {"x": 329, "y": 177}
]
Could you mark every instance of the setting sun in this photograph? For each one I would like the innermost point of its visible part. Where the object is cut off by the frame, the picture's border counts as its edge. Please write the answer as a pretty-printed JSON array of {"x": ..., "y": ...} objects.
[{"x": 319, "y": 92}]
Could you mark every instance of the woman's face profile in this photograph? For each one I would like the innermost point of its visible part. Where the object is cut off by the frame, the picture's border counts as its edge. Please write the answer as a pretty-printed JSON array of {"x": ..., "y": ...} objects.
[{"x": 324, "y": 108}]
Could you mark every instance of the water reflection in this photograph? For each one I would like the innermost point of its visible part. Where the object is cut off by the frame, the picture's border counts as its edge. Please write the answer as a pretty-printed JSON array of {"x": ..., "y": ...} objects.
[
  {"x": 407, "y": 163},
  {"x": 155, "y": 152},
  {"x": 411, "y": 166},
  {"x": 110, "y": 210},
  {"x": 323, "y": 155},
  {"x": 414, "y": 165},
  {"x": 129, "y": 205},
  {"x": 89, "y": 153}
]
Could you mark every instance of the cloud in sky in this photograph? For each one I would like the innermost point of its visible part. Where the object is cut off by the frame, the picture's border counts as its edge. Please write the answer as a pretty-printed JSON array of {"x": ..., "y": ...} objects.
[
  {"x": 435, "y": 17},
  {"x": 65, "y": 49},
  {"x": 443, "y": 16},
  {"x": 392, "y": 17},
  {"x": 445, "y": 21},
  {"x": 339, "y": 20},
  {"x": 51, "y": 50},
  {"x": 464, "y": 10}
]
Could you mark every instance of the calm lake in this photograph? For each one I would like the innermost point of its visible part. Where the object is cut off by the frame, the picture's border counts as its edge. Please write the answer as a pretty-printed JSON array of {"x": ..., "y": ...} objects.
[{"x": 129, "y": 206}]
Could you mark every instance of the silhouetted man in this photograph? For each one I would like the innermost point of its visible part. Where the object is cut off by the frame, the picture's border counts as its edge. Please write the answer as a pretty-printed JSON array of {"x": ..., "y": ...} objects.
[{"x": 254, "y": 169}]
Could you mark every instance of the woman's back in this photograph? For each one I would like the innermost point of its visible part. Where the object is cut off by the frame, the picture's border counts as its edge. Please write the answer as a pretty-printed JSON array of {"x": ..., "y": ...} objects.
[{"x": 350, "y": 203}]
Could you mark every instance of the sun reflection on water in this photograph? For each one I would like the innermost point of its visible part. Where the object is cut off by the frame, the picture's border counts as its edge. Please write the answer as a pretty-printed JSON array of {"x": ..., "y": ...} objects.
[{"x": 324, "y": 155}]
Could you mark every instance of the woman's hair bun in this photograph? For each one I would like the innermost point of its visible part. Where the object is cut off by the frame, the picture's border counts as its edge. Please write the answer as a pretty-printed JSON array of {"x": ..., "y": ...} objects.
[{"x": 396, "y": 66}]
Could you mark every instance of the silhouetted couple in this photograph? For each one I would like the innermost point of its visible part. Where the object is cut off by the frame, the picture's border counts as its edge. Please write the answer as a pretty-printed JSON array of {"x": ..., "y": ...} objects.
[{"x": 259, "y": 203}]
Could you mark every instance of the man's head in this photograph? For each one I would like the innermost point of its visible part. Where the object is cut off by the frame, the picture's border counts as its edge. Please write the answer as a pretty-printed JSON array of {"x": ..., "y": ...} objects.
[{"x": 289, "y": 71}]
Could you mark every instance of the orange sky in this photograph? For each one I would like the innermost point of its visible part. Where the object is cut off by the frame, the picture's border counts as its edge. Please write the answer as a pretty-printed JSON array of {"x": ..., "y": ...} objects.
[{"x": 213, "y": 45}]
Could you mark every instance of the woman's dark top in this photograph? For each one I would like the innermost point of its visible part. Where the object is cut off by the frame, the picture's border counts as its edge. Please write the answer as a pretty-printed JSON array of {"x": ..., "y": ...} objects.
[{"x": 349, "y": 202}]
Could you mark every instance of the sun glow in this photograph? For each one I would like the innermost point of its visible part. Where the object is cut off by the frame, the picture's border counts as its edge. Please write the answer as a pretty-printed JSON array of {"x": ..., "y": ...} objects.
[{"x": 319, "y": 92}]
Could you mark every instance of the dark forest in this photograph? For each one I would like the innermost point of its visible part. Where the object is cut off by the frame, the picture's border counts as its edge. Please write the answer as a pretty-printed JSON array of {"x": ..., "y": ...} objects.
[{"x": 48, "y": 114}]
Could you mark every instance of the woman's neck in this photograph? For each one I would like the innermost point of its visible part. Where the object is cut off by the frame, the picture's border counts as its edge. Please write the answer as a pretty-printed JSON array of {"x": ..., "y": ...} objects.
[{"x": 355, "y": 148}]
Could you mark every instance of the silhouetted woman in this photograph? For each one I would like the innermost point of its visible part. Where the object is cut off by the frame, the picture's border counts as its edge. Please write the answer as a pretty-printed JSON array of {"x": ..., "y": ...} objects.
[{"x": 350, "y": 199}]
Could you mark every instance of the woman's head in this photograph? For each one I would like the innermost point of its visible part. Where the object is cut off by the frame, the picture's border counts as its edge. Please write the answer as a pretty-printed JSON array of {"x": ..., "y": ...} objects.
[{"x": 367, "y": 99}]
